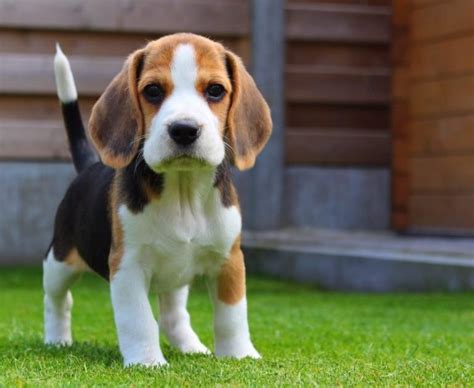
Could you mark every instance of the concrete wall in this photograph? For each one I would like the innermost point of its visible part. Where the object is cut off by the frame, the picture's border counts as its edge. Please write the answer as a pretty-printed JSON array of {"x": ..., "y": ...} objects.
[
  {"x": 29, "y": 196},
  {"x": 339, "y": 198},
  {"x": 347, "y": 198}
]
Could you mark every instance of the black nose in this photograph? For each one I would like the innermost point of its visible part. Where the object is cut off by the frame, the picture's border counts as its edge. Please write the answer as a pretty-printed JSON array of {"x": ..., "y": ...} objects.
[{"x": 183, "y": 133}]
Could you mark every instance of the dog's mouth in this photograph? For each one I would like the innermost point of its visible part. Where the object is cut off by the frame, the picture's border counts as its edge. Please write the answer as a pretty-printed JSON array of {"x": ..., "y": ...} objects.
[{"x": 182, "y": 163}]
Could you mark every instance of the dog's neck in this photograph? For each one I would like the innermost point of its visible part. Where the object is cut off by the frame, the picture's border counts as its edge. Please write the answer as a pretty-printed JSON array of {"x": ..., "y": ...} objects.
[{"x": 139, "y": 185}]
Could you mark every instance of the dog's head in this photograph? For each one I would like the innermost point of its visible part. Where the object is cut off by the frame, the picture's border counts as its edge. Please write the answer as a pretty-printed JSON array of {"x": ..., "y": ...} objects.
[{"x": 184, "y": 99}]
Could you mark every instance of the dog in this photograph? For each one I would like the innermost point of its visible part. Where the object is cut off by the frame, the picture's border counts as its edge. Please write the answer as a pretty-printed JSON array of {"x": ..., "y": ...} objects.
[{"x": 159, "y": 207}]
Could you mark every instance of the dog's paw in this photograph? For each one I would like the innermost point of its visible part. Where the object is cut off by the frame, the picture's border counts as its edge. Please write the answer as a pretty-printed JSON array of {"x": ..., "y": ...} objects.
[
  {"x": 57, "y": 341},
  {"x": 155, "y": 363},
  {"x": 235, "y": 349},
  {"x": 193, "y": 347}
]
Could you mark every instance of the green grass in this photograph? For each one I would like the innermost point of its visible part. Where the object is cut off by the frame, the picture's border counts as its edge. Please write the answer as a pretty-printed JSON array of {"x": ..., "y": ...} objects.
[{"x": 306, "y": 337}]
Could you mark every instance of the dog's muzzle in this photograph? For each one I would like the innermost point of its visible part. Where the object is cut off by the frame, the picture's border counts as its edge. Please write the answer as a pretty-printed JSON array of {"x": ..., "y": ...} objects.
[{"x": 184, "y": 132}]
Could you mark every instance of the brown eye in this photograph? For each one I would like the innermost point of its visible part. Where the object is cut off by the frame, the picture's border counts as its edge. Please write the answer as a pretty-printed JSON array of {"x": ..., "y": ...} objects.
[
  {"x": 154, "y": 93},
  {"x": 215, "y": 92}
]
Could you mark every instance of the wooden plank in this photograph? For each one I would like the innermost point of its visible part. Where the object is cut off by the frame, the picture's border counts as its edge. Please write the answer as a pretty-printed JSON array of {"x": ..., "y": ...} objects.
[
  {"x": 444, "y": 58},
  {"x": 443, "y": 174},
  {"x": 225, "y": 17},
  {"x": 331, "y": 84},
  {"x": 104, "y": 44},
  {"x": 337, "y": 147},
  {"x": 26, "y": 139},
  {"x": 442, "y": 213},
  {"x": 442, "y": 97},
  {"x": 432, "y": 22},
  {"x": 358, "y": 2},
  {"x": 444, "y": 136},
  {"x": 337, "y": 116},
  {"x": 33, "y": 74},
  {"x": 323, "y": 53},
  {"x": 400, "y": 156},
  {"x": 426, "y": 3},
  {"x": 338, "y": 23},
  {"x": 38, "y": 107},
  {"x": 400, "y": 191}
]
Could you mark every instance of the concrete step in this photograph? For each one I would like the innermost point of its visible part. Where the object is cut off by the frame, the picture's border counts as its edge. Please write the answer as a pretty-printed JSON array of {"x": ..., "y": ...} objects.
[{"x": 361, "y": 260}]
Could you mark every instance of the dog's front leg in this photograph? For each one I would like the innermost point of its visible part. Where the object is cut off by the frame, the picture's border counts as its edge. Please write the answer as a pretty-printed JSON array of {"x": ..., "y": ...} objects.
[
  {"x": 231, "y": 329},
  {"x": 137, "y": 328}
]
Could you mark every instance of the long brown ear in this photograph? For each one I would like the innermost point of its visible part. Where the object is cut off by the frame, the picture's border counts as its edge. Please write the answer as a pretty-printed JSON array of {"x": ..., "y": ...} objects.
[
  {"x": 116, "y": 122},
  {"x": 249, "y": 123}
]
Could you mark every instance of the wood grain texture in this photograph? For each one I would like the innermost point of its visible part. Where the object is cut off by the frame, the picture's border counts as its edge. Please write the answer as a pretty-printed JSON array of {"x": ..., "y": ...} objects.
[
  {"x": 225, "y": 17},
  {"x": 340, "y": 54},
  {"x": 337, "y": 116},
  {"x": 442, "y": 19},
  {"x": 33, "y": 140},
  {"x": 442, "y": 213},
  {"x": 342, "y": 85},
  {"x": 444, "y": 58},
  {"x": 443, "y": 174},
  {"x": 337, "y": 22},
  {"x": 442, "y": 97},
  {"x": 337, "y": 147},
  {"x": 34, "y": 74},
  {"x": 443, "y": 136}
]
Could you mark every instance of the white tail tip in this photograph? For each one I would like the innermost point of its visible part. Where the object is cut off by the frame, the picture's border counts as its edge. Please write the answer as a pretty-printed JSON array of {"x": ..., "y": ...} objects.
[{"x": 65, "y": 85}]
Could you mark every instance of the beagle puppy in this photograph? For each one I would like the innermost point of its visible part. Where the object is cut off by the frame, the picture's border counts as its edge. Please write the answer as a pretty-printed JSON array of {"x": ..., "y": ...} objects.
[{"x": 159, "y": 207}]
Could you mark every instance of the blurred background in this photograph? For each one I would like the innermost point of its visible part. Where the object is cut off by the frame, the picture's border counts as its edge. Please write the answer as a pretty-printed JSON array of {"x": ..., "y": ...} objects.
[{"x": 368, "y": 180}]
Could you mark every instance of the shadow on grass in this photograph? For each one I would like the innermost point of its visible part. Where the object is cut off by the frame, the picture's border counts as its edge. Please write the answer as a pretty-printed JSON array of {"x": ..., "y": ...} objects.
[{"x": 80, "y": 353}]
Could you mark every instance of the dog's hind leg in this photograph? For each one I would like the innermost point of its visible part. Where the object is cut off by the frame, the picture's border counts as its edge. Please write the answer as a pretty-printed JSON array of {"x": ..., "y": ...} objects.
[
  {"x": 175, "y": 322},
  {"x": 58, "y": 277}
]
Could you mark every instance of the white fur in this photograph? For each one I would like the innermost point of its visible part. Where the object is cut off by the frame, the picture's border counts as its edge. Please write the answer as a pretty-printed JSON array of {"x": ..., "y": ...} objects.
[
  {"x": 185, "y": 233},
  {"x": 175, "y": 322},
  {"x": 184, "y": 103},
  {"x": 137, "y": 329},
  {"x": 231, "y": 329},
  {"x": 66, "y": 88},
  {"x": 57, "y": 279}
]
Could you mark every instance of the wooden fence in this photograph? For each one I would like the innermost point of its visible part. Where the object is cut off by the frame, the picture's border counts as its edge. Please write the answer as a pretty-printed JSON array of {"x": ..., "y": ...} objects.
[
  {"x": 337, "y": 82},
  {"x": 433, "y": 115}
]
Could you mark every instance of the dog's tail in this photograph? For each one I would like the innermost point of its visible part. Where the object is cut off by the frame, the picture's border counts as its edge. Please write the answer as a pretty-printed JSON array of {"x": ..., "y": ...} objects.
[{"x": 83, "y": 155}]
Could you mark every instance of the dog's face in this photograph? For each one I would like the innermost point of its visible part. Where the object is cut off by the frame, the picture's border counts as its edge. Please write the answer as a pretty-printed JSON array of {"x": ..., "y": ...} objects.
[{"x": 186, "y": 101}]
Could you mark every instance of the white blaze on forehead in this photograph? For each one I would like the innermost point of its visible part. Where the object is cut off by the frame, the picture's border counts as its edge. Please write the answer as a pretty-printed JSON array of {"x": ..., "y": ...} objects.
[{"x": 184, "y": 67}]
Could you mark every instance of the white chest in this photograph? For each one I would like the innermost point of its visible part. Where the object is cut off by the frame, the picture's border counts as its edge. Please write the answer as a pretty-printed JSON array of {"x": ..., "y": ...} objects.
[{"x": 175, "y": 240}]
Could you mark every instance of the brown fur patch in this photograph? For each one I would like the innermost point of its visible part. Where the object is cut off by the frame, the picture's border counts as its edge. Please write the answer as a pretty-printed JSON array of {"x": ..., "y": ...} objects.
[
  {"x": 116, "y": 248},
  {"x": 74, "y": 260},
  {"x": 116, "y": 122},
  {"x": 231, "y": 279}
]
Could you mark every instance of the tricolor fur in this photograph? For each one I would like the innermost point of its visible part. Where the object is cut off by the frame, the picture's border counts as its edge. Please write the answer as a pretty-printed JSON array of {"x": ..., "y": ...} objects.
[{"x": 160, "y": 207}]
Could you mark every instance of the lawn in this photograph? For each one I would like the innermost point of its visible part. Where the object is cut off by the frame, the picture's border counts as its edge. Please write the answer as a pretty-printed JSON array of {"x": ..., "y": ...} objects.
[{"x": 305, "y": 336}]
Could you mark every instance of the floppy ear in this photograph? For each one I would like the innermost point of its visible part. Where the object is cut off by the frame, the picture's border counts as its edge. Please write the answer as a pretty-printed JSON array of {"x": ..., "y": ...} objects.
[
  {"x": 116, "y": 122},
  {"x": 249, "y": 123}
]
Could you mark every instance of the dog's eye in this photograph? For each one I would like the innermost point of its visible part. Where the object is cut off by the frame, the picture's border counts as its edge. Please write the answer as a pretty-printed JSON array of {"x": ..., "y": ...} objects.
[
  {"x": 215, "y": 92},
  {"x": 153, "y": 93}
]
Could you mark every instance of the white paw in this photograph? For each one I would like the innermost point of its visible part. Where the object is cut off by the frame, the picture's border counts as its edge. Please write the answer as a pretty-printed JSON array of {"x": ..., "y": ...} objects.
[
  {"x": 234, "y": 349},
  {"x": 59, "y": 341},
  {"x": 155, "y": 363},
  {"x": 193, "y": 347}
]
